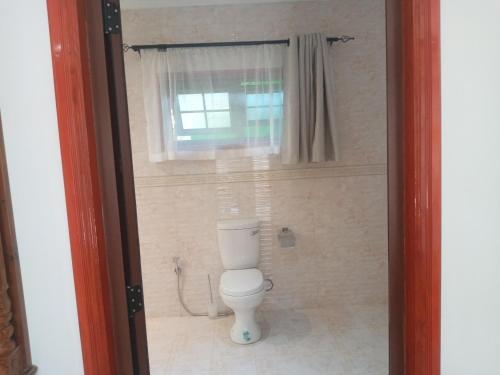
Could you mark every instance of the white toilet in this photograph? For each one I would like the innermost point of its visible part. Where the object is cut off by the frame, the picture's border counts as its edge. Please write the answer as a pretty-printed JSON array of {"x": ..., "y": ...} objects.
[{"x": 242, "y": 286}]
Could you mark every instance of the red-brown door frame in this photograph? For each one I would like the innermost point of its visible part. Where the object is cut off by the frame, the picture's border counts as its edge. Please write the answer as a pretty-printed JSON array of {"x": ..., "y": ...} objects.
[
  {"x": 414, "y": 185},
  {"x": 87, "y": 137},
  {"x": 85, "y": 110},
  {"x": 422, "y": 185}
]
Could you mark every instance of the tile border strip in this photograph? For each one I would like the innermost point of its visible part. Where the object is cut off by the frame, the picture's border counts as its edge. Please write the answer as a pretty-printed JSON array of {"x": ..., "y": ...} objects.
[{"x": 265, "y": 175}]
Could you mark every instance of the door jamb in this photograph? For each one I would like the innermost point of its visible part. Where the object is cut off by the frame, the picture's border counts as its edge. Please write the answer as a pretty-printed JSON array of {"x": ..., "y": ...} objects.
[{"x": 87, "y": 150}]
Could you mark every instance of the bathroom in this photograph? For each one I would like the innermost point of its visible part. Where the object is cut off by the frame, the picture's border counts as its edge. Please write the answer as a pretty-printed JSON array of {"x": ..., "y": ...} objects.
[{"x": 322, "y": 224}]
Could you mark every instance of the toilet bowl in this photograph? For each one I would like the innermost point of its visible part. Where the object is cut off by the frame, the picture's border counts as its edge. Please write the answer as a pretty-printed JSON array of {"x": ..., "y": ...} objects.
[
  {"x": 242, "y": 286},
  {"x": 243, "y": 291}
]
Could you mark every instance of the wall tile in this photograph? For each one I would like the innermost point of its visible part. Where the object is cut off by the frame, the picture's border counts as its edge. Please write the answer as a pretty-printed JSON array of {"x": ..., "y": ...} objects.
[{"x": 337, "y": 210}]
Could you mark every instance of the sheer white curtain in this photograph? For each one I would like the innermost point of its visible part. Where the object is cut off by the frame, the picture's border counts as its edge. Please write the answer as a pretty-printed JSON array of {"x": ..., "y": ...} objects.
[{"x": 213, "y": 102}]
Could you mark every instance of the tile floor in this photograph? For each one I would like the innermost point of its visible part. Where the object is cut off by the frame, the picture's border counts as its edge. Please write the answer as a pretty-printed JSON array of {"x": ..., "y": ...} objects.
[{"x": 336, "y": 341}]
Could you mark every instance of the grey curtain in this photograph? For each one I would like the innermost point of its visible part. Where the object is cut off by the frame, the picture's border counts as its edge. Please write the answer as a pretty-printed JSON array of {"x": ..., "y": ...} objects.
[{"x": 309, "y": 127}]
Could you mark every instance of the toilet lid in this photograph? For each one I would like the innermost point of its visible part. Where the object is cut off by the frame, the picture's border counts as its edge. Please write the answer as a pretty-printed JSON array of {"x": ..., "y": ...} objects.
[{"x": 238, "y": 283}]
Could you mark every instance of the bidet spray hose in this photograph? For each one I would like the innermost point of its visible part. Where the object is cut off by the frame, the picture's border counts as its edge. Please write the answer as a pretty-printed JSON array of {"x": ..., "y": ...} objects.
[{"x": 178, "y": 271}]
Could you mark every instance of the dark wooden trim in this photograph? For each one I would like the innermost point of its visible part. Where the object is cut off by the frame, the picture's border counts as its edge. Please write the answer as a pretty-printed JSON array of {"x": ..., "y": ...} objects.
[
  {"x": 108, "y": 172},
  {"x": 85, "y": 130},
  {"x": 395, "y": 178},
  {"x": 12, "y": 267},
  {"x": 422, "y": 185},
  {"x": 126, "y": 190}
]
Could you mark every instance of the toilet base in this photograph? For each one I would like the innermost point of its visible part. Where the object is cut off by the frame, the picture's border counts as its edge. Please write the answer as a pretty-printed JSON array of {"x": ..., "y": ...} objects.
[{"x": 245, "y": 329}]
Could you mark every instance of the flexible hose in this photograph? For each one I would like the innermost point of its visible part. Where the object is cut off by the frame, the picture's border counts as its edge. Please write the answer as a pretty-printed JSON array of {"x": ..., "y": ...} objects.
[{"x": 178, "y": 271}]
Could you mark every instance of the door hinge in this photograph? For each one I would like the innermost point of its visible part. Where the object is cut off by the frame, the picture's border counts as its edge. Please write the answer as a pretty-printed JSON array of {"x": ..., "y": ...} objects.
[
  {"x": 112, "y": 22},
  {"x": 135, "y": 300}
]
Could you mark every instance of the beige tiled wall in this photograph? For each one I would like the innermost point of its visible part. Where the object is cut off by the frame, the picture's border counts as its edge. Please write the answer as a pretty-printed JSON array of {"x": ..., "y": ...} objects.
[{"x": 337, "y": 210}]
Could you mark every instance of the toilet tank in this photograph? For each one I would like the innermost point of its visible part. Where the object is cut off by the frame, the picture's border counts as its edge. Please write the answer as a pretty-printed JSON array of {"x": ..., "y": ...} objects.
[{"x": 239, "y": 243}]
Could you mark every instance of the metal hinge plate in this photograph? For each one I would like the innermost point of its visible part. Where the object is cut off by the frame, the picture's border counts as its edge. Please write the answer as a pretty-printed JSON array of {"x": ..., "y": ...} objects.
[
  {"x": 135, "y": 300},
  {"x": 112, "y": 22}
]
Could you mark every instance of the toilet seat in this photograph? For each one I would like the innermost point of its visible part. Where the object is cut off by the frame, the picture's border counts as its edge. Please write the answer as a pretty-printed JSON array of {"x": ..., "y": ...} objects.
[{"x": 240, "y": 283}]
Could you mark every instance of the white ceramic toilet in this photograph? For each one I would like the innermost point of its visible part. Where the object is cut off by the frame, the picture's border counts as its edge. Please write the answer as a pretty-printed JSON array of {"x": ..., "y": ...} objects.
[{"x": 242, "y": 286}]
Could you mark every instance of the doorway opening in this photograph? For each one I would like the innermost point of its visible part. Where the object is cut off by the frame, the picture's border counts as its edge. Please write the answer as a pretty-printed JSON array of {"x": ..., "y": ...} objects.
[{"x": 328, "y": 310}]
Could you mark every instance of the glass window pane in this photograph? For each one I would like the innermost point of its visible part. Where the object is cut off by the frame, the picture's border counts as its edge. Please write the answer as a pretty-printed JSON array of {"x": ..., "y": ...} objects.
[
  {"x": 277, "y": 112},
  {"x": 193, "y": 120},
  {"x": 217, "y": 100},
  {"x": 263, "y": 99},
  {"x": 256, "y": 100},
  {"x": 258, "y": 113},
  {"x": 277, "y": 98},
  {"x": 264, "y": 113},
  {"x": 219, "y": 119},
  {"x": 190, "y": 102}
]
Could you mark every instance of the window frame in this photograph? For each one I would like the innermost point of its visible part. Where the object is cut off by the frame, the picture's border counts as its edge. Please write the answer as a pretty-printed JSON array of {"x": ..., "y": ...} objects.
[{"x": 238, "y": 112}]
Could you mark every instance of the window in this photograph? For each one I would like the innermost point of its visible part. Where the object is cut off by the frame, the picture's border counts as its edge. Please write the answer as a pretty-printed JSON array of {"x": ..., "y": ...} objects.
[
  {"x": 202, "y": 111},
  {"x": 206, "y": 103},
  {"x": 239, "y": 117}
]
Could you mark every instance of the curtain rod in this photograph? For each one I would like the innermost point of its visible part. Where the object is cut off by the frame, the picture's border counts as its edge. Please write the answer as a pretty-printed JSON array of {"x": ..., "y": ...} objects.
[{"x": 139, "y": 47}]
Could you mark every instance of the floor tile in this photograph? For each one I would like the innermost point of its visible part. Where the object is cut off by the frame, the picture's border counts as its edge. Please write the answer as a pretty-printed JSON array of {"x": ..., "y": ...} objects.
[{"x": 333, "y": 341}]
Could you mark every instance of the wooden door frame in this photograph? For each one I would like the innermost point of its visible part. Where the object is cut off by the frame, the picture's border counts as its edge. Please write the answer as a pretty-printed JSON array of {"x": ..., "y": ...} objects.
[
  {"x": 92, "y": 170},
  {"x": 414, "y": 185},
  {"x": 16, "y": 353},
  {"x": 93, "y": 156}
]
